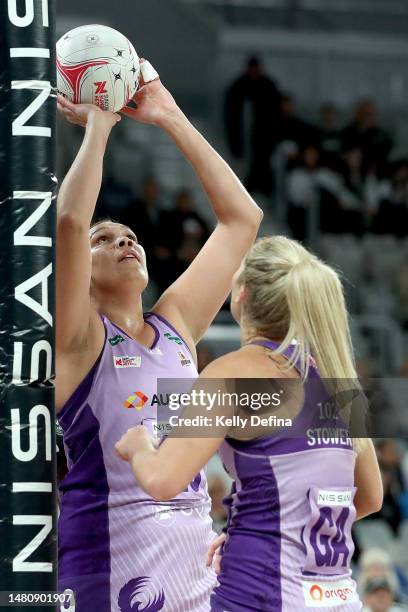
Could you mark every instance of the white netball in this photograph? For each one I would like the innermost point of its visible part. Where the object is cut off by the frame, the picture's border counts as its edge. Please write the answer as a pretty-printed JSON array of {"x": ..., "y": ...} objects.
[{"x": 97, "y": 65}]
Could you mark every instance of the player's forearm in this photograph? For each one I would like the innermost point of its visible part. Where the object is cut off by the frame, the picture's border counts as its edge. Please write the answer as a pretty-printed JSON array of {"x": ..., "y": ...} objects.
[
  {"x": 80, "y": 189},
  {"x": 156, "y": 477},
  {"x": 230, "y": 200}
]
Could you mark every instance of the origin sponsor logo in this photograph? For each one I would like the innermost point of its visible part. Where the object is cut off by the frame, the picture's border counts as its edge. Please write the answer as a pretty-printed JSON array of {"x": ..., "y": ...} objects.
[
  {"x": 124, "y": 361},
  {"x": 137, "y": 400},
  {"x": 323, "y": 594}
]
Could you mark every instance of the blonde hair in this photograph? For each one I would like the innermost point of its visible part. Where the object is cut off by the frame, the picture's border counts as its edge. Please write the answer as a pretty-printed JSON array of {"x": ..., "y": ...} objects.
[{"x": 294, "y": 296}]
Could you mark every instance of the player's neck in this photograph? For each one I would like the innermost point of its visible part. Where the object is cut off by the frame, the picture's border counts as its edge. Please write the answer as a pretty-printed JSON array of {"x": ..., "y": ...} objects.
[
  {"x": 249, "y": 335},
  {"x": 126, "y": 311}
]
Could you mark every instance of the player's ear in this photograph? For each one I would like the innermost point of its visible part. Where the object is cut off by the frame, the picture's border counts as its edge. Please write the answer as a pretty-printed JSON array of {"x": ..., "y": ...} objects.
[{"x": 241, "y": 295}]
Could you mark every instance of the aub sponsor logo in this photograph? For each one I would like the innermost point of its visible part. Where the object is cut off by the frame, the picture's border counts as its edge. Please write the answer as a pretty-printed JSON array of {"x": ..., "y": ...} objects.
[{"x": 137, "y": 400}]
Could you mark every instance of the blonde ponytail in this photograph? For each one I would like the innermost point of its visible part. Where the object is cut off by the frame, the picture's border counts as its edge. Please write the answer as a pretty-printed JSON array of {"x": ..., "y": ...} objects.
[
  {"x": 318, "y": 320},
  {"x": 294, "y": 297}
]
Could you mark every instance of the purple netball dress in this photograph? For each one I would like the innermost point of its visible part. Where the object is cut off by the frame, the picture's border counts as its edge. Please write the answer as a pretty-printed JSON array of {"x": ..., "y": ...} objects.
[
  {"x": 291, "y": 510},
  {"x": 119, "y": 549}
]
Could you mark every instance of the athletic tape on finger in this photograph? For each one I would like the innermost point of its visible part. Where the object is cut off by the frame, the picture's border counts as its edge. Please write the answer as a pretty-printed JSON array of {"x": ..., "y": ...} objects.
[{"x": 148, "y": 72}]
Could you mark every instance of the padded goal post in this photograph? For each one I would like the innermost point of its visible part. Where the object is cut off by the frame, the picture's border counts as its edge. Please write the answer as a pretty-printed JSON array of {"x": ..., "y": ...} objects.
[{"x": 28, "y": 500}]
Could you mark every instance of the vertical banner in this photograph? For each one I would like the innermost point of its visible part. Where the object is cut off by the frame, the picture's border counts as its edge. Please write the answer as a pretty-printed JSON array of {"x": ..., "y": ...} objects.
[{"x": 28, "y": 508}]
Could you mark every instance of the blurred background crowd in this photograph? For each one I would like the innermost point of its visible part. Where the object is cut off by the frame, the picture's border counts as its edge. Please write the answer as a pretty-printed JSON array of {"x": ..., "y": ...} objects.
[{"x": 307, "y": 100}]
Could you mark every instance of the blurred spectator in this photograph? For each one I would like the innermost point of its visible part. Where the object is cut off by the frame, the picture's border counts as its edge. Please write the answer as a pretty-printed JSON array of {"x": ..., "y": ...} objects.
[
  {"x": 379, "y": 403},
  {"x": 404, "y": 369},
  {"x": 378, "y": 582},
  {"x": 378, "y": 596},
  {"x": 217, "y": 490},
  {"x": 330, "y": 140},
  {"x": 377, "y": 189},
  {"x": 392, "y": 216},
  {"x": 114, "y": 200},
  {"x": 294, "y": 129},
  {"x": 318, "y": 182},
  {"x": 353, "y": 196},
  {"x": 353, "y": 175},
  {"x": 364, "y": 134},
  {"x": 302, "y": 191},
  {"x": 144, "y": 216},
  {"x": 402, "y": 289},
  {"x": 257, "y": 89},
  {"x": 183, "y": 233},
  {"x": 205, "y": 355},
  {"x": 389, "y": 458}
]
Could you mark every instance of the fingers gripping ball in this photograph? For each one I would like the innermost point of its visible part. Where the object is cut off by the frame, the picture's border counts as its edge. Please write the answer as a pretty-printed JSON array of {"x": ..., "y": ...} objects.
[{"x": 97, "y": 65}]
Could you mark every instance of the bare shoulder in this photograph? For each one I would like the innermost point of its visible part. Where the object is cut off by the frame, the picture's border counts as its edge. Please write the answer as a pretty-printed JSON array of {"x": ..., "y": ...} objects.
[
  {"x": 246, "y": 362},
  {"x": 74, "y": 364}
]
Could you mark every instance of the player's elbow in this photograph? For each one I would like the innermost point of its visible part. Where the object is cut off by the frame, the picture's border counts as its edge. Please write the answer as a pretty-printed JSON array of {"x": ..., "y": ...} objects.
[
  {"x": 369, "y": 503},
  {"x": 244, "y": 224},
  {"x": 69, "y": 224},
  {"x": 253, "y": 218},
  {"x": 160, "y": 489},
  {"x": 376, "y": 501}
]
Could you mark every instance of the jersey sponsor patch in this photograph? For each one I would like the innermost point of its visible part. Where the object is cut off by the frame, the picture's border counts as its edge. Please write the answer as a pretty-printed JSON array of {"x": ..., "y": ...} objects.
[
  {"x": 156, "y": 351},
  {"x": 126, "y": 361},
  {"x": 336, "y": 593},
  {"x": 183, "y": 359},
  {"x": 164, "y": 515},
  {"x": 334, "y": 498},
  {"x": 137, "y": 400},
  {"x": 175, "y": 339},
  {"x": 116, "y": 340}
]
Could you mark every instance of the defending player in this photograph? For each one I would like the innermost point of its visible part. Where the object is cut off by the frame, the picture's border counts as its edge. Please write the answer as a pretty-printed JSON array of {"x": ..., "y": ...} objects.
[
  {"x": 118, "y": 548},
  {"x": 288, "y": 544}
]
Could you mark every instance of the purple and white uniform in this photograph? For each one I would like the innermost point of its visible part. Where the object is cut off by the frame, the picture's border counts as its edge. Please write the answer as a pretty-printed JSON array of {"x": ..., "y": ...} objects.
[
  {"x": 291, "y": 510},
  {"x": 119, "y": 549}
]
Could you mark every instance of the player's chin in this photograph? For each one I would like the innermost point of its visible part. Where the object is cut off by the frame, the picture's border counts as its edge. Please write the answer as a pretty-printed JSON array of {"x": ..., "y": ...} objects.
[{"x": 143, "y": 278}]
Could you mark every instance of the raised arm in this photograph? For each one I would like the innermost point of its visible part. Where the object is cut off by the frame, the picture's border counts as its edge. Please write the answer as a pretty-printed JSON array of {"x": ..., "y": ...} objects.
[
  {"x": 194, "y": 299},
  {"x": 75, "y": 208}
]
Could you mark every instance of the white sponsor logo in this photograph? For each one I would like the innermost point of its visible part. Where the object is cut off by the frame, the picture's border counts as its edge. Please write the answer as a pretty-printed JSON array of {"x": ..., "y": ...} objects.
[
  {"x": 167, "y": 515},
  {"x": 164, "y": 515},
  {"x": 334, "y": 498},
  {"x": 156, "y": 351},
  {"x": 124, "y": 361},
  {"x": 323, "y": 594}
]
